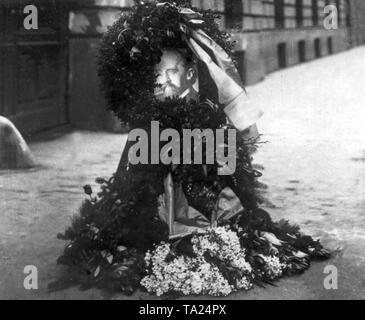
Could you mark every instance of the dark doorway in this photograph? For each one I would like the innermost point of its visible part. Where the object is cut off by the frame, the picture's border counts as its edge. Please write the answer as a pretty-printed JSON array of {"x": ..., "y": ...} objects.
[
  {"x": 282, "y": 59},
  {"x": 330, "y": 45},
  {"x": 302, "y": 51},
  {"x": 317, "y": 48}
]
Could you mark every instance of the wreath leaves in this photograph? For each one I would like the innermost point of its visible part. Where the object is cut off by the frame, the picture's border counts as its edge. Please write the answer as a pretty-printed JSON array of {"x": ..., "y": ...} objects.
[{"x": 132, "y": 47}]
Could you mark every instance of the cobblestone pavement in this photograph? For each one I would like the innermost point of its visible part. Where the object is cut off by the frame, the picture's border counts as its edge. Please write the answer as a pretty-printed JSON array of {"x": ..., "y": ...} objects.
[{"x": 314, "y": 163}]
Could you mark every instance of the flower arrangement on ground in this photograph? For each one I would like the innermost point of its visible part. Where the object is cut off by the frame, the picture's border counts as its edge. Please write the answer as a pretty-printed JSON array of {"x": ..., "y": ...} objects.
[{"x": 179, "y": 229}]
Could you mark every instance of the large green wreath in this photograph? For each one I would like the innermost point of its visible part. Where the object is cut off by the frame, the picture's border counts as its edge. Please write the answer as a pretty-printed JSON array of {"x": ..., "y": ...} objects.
[{"x": 133, "y": 46}]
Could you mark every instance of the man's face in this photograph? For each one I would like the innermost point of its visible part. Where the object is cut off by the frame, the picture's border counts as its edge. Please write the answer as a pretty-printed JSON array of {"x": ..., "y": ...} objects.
[{"x": 174, "y": 77}]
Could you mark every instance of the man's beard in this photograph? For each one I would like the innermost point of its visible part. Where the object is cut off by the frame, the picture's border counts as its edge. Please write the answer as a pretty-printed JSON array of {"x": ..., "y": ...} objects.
[{"x": 167, "y": 91}]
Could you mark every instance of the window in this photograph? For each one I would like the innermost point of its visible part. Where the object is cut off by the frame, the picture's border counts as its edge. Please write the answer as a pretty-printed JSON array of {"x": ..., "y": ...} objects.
[
  {"x": 234, "y": 13},
  {"x": 279, "y": 13},
  {"x": 348, "y": 13},
  {"x": 315, "y": 12},
  {"x": 299, "y": 12},
  {"x": 339, "y": 11}
]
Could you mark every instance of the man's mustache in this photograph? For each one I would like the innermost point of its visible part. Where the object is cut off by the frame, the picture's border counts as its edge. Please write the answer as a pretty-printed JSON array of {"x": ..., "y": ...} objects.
[{"x": 162, "y": 89}]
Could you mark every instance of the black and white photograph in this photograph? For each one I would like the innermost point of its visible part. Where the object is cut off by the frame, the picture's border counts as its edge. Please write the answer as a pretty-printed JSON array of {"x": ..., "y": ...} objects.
[{"x": 172, "y": 150}]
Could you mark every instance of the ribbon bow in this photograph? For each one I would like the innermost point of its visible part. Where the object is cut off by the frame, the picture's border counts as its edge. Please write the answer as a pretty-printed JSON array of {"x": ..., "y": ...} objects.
[{"x": 231, "y": 92}]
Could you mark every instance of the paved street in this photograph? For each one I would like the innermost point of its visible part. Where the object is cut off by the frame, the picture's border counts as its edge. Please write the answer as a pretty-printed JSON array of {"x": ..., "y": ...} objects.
[{"x": 314, "y": 163}]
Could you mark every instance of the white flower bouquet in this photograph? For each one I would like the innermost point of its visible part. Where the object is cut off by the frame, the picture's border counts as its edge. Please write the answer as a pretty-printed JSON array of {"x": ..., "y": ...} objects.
[{"x": 217, "y": 267}]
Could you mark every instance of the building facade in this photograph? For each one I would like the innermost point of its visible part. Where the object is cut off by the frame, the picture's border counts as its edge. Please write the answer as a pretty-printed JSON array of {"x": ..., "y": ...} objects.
[
  {"x": 33, "y": 65},
  {"x": 274, "y": 34},
  {"x": 48, "y": 76},
  {"x": 356, "y": 16}
]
